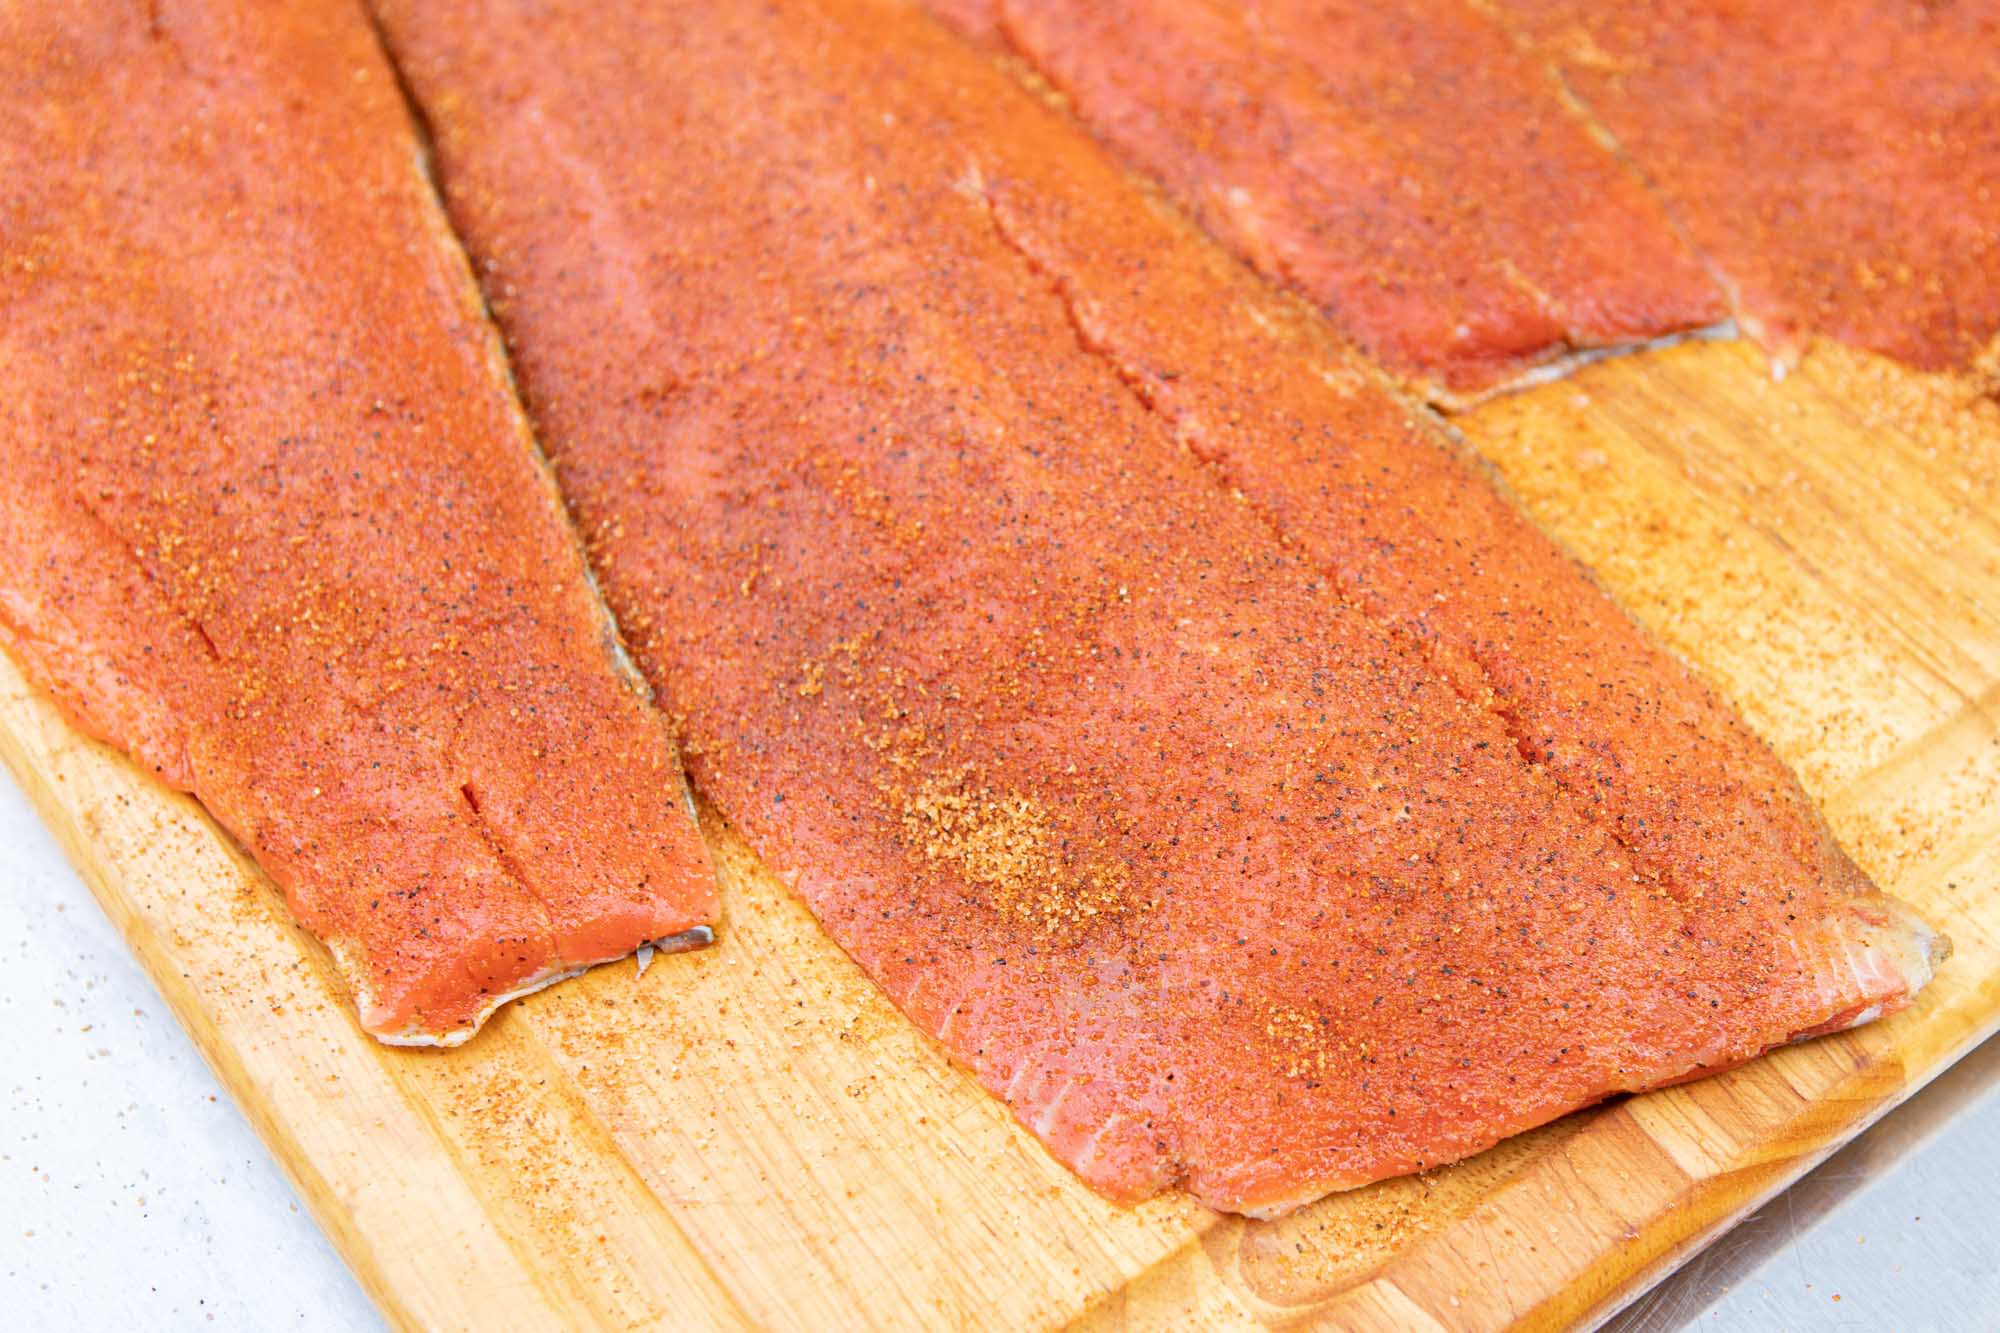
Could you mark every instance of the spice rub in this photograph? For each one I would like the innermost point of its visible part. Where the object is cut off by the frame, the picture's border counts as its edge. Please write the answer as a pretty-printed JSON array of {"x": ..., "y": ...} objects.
[
  {"x": 1404, "y": 167},
  {"x": 1838, "y": 163},
  {"x": 1404, "y": 526},
  {"x": 274, "y": 523},
  {"x": 1209, "y": 855}
]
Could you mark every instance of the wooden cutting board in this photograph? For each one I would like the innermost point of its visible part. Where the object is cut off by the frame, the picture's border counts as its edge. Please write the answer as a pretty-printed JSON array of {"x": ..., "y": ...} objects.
[{"x": 752, "y": 1135}]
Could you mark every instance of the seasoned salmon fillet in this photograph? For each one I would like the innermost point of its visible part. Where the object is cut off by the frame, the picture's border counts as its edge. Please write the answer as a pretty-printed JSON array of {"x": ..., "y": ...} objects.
[
  {"x": 987, "y": 532},
  {"x": 1402, "y": 166},
  {"x": 1838, "y": 163},
  {"x": 273, "y": 522}
]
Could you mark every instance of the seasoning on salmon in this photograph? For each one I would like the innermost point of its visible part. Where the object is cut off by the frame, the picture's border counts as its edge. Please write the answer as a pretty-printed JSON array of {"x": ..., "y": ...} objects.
[
  {"x": 1403, "y": 166},
  {"x": 274, "y": 523},
  {"x": 1408, "y": 529},
  {"x": 1839, "y": 163},
  {"x": 1215, "y": 867}
]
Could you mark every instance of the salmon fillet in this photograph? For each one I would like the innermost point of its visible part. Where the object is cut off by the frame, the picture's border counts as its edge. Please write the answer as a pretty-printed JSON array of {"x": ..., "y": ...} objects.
[
  {"x": 1839, "y": 163},
  {"x": 913, "y": 444},
  {"x": 1402, "y": 166},
  {"x": 274, "y": 523}
]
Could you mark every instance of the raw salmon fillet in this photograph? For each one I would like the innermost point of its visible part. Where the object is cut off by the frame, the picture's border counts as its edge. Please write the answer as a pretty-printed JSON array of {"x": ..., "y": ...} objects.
[
  {"x": 1403, "y": 166},
  {"x": 914, "y": 448},
  {"x": 273, "y": 521},
  {"x": 1839, "y": 163}
]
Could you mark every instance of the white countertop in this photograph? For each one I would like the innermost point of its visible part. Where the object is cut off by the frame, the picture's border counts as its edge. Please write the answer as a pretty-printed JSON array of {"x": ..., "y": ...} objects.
[{"x": 134, "y": 1195}]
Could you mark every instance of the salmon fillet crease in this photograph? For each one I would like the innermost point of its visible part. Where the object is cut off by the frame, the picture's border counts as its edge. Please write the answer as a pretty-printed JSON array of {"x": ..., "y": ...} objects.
[
  {"x": 1402, "y": 166},
  {"x": 273, "y": 521},
  {"x": 1839, "y": 163},
  {"x": 1170, "y": 724}
]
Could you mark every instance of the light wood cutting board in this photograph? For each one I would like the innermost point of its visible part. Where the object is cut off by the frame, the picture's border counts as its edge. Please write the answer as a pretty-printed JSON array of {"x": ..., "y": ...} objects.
[{"x": 752, "y": 1135}]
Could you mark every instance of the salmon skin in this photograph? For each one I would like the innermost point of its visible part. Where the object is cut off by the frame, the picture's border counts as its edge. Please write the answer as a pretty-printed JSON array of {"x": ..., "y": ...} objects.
[
  {"x": 274, "y": 524},
  {"x": 1838, "y": 163},
  {"x": 1402, "y": 166},
  {"x": 940, "y": 478}
]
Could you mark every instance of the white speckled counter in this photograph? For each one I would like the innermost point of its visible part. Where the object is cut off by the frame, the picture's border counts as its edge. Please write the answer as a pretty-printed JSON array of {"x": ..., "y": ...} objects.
[{"x": 132, "y": 1193}]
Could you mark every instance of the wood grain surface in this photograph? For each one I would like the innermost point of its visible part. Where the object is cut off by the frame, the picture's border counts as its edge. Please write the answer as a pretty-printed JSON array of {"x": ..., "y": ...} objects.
[{"x": 752, "y": 1136}]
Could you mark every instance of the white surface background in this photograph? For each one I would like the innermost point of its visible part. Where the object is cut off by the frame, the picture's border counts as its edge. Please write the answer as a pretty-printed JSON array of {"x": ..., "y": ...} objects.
[{"x": 133, "y": 1195}]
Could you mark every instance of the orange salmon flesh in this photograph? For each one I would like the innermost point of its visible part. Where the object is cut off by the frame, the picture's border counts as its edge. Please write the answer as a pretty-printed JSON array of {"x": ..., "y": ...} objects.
[
  {"x": 274, "y": 524},
  {"x": 1170, "y": 722}
]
